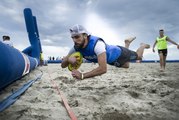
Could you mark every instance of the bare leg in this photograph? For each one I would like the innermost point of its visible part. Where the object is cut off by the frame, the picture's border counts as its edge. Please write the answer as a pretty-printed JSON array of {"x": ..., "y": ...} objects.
[
  {"x": 128, "y": 41},
  {"x": 127, "y": 44},
  {"x": 162, "y": 62},
  {"x": 140, "y": 50}
]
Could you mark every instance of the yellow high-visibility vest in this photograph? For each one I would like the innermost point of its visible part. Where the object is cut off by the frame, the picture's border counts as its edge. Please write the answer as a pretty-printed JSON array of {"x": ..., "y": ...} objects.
[{"x": 162, "y": 43}]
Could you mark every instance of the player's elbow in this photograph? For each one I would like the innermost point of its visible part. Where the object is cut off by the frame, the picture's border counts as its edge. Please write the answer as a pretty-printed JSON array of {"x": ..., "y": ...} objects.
[
  {"x": 63, "y": 65},
  {"x": 103, "y": 69}
]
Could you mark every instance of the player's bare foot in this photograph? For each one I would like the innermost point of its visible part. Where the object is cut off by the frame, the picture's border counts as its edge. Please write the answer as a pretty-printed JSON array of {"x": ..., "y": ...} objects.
[
  {"x": 128, "y": 41},
  {"x": 145, "y": 45},
  {"x": 162, "y": 69}
]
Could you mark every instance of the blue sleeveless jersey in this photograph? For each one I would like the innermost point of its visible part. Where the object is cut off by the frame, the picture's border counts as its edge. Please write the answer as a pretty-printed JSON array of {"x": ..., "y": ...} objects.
[{"x": 113, "y": 52}]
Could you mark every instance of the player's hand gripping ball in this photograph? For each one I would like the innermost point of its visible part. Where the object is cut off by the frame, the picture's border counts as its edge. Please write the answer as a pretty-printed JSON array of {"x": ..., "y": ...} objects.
[{"x": 77, "y": 59}]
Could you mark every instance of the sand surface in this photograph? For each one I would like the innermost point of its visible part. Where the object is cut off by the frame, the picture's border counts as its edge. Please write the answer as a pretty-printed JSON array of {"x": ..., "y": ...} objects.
[{"x": 141, "y": 92}]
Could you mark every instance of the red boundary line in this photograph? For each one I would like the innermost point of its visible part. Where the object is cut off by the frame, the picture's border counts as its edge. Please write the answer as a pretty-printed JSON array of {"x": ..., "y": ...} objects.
[{"x": 69, "y": 110}]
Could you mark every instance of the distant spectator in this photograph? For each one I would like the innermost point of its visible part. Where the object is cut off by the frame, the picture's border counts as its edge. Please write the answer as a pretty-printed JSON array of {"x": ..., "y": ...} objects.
[
  {"x": 6, "y": 40},
  {"x": 53, "y": 58},
  {"x": 41, "y": 59},
  {"x": 57, "y": 58},
  {"x": 50, "y": 58}
]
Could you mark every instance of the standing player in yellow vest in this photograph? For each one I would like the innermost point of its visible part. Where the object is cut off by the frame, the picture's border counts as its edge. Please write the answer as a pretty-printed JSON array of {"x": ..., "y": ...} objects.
[{"x": 161, "y": 42}]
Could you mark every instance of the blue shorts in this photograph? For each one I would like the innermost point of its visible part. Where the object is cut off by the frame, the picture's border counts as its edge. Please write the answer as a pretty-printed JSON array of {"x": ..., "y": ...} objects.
[{"x": 126, "y": 56}]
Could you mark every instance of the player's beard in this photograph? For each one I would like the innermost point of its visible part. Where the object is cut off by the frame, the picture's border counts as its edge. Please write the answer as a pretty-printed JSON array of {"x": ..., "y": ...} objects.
[{"x": 80, "y": 46}]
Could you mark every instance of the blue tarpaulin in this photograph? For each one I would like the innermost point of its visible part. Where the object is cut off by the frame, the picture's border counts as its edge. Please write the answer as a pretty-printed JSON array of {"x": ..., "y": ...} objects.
[{"x": 15, "y": 95}]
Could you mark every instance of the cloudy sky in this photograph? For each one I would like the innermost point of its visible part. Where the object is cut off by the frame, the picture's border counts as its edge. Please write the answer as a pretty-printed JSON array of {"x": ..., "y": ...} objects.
[{"x": 112, "y": 20}]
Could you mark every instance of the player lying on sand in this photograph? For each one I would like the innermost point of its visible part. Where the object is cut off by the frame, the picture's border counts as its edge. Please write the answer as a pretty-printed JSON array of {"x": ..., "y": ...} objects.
[{"x": 95, "y": 49}]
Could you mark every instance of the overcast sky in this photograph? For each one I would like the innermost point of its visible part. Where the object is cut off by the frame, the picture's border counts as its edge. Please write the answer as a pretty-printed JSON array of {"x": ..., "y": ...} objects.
[{"x": 112, "y": 20}]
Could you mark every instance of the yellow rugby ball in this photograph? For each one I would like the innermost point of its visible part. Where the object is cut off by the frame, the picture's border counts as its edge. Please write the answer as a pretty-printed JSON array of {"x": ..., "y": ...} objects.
[{"x": 79, "y": 59}]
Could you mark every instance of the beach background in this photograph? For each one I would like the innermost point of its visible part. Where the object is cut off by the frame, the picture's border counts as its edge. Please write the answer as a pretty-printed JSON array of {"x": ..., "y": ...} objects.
[{"x": 140, "y": 92}]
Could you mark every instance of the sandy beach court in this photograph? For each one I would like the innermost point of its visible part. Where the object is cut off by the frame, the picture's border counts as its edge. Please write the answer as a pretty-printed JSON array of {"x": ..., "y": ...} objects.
[{"x": 141, "y": 92}]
